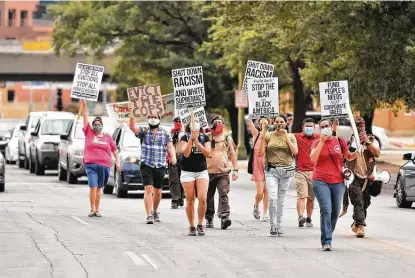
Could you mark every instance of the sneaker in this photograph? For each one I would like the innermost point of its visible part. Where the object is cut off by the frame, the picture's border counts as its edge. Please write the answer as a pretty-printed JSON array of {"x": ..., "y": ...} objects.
[
  {"x": 280, "y": 232},
  {"x": 360, "y": 233},
  {"x": 91, "y": 214},
  {"x": 156, "y": 216},
  {"x": 192, "y": 231},
  {"x": 181, "y": 202},
  {"x": 308, "y": 222},
  {"x": 209, "y": 223},
  {"x": 326, "y": 247},
  {"x": 256, "y": 213},
  {"x": 354, "y": 228},
  {"x": 273, "y": 230},
  {"x": 301, "y": 221},
  {"x": 174, "y": 204},
  {"x": 226, "y": 222},
  {"x": 265, "y": 219},
  {"x": 150, "y": 219},
  {"x": 97, "y": 214},
  {"x": 200, "y": 230}
]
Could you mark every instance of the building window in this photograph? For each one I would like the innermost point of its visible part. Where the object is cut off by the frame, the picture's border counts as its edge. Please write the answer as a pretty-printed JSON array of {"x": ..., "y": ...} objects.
[
  {"x": 23, "y": 18},
  {"x": 12, "y": 17},
  {"x": 10, "y": 96}
]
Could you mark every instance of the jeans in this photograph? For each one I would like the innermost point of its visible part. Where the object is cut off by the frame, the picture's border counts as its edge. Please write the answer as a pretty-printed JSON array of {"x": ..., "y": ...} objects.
[
  {"x": 176, "y": 188},
  {"x": 329, "y": 197},
  {"x": 222, "y": 183},
  {"x": 277, "y": 187}
]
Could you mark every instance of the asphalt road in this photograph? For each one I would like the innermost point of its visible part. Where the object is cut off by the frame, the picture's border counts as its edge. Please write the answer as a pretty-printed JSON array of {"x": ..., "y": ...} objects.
[{"x": 45, "y": 232}]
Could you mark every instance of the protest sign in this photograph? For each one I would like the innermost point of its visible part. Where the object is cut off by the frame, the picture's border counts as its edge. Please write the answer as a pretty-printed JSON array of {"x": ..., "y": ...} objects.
[
  {"x": 334, "y": 98},
  {"x": 118, "y": 112},
  {"x": 256, "y": 70},
  {"x": 86, "y": 82},
  {"x": 168, "y": 103},
  {"x": 199, "y": 114},
  {"x": 146, "y": 100},
  {"x": 189, "y": 89},
  {"x": 241, "y": 100},
  {"x": 263, "y": 97}
]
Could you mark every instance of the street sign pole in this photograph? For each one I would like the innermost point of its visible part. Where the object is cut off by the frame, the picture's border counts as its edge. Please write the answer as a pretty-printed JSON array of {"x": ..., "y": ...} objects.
[{"x": 241, "y": 149}]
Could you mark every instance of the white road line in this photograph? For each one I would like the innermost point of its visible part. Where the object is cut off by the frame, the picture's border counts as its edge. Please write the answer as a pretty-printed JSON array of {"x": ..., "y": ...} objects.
[
  {"x": 147, "y": 258},
  {"x": 136, "y": 259},
  {"x": 80, "y": 220}
]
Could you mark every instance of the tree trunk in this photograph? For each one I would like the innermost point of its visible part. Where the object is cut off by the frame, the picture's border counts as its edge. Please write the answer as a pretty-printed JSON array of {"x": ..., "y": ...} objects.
[
  {"x": 368, "y": 117},
  {"x": 299, "y": 101},
  {"x": 233, "y": 118}
]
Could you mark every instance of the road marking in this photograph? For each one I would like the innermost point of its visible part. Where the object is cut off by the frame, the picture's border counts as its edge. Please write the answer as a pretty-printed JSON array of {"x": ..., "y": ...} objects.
[
  {"x": 136, "y": 259},
  {"x": 147, "y": 258},
  {"x": 80, "y": 220}
]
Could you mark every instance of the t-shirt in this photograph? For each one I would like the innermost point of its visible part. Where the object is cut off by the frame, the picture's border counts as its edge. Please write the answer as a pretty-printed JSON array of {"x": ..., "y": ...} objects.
[
  {"x": 196, "y": 162},
  {"x": 98, "y": 149},
  {"x": 304, "y": 143},
  {"x": 219, "y": 160},
  {"x": 278, "y": 152},
  {"x": 330, "y": 169}
]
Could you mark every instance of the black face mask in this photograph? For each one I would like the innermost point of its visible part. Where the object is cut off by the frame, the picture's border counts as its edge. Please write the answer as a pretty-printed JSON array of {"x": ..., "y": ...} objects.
[{"x": 153, "y": 126}]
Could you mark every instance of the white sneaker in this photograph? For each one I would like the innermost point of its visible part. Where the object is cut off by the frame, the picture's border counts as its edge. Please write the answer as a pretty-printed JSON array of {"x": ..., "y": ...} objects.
[{"x": 265, "y": 219}]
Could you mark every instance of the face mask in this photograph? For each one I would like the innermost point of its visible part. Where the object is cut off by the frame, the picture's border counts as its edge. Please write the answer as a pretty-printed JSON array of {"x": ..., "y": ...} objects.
[
  {"x": 217, "y": 127},
  {"x": 97, "y": 128},
  {"x": 196, "y": 127},
  {"x": 327, "y": 131},
  {"x": 153, "y": 122},
  {"x": 308, "y": 130},
  {"x": 178, "y": 126},
  {"x": 279, "y": 126},
  {"x": 271, "y": 128}
]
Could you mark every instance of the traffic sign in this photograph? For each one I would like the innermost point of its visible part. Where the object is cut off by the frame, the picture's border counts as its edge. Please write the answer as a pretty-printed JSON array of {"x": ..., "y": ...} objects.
[{"x": 241, "y": 100}]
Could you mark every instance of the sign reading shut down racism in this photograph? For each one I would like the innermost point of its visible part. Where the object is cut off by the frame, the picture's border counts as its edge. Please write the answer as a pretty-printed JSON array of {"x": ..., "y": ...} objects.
[
  {"x": 334, "y": 98},
  {"x": 256, "y": 69},
  {"x": 189, "y": 89}
]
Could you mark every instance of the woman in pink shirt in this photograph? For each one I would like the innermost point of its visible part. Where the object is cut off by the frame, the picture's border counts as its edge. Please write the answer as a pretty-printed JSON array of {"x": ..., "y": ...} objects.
[{"x": 97, "y": 158}]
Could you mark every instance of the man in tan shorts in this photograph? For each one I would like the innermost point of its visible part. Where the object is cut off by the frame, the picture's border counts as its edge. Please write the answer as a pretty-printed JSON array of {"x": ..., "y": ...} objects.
[{"x": 304, "y": 172}]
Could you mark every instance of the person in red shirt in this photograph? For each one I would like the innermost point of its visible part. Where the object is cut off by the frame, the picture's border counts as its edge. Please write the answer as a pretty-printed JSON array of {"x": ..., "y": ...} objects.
[
  {"x": 304, "y": 172},
  {"x": 97, "y": 158},
  {"x": 327, "y": 154}
]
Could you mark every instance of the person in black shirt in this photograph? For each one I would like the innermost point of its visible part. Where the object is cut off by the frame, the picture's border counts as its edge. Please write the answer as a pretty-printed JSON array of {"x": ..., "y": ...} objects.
[{"x": 194, "y": 175}]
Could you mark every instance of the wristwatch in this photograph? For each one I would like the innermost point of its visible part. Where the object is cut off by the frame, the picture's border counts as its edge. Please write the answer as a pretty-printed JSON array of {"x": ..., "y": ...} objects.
[{"x": 235, "y": 170}]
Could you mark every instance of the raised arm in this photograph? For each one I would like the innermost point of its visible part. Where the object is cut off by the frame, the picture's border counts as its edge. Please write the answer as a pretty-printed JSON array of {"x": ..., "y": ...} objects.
[
  {"x": 84, "y": 112},
  {"x": 252, "y": 128},
  {"x": 315, "y": 152},
  {"x": 134, "y": 129}
]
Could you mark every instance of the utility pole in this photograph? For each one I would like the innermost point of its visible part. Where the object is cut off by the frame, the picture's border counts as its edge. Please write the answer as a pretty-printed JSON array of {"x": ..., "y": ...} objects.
[{"x": 240, "y": 149}]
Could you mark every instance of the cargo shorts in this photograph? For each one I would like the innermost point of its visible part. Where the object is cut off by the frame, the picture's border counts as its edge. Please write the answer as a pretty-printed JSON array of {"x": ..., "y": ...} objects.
[{"x": 303, "y": 184}]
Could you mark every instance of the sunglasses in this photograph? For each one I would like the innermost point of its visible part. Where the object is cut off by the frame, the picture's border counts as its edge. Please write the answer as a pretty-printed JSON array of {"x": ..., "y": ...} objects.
[{"x": 153, "y": 117}]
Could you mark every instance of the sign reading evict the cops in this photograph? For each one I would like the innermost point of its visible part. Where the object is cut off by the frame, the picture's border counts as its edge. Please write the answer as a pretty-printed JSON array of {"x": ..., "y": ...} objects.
[
  {"x": 199, "y": 114},
  {"x": 87, "y": 81},
  {"x": 189, "y": 89},
  {"x": 146, "y": 100},
  {"x": 263, "y": 97},
  {"x": 334, "y": 98},
  {"x": 256, "y": 70}
]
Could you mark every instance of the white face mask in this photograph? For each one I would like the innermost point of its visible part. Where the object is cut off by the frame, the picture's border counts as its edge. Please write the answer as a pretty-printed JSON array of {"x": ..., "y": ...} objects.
[
  {"x": 327, "y": 131},
  {"x": 196, "y": 126},
  {"x": 153, "y": 122}
]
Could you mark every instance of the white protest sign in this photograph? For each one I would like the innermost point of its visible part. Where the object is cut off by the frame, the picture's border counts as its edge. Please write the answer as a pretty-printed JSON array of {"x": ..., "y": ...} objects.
[
  {"x": 189, "y": 89},
  {"x": 87, "y": 81},
  {"x": 256, "y": 69},
  {"x": 199, "y": 114},
  {"x": 168, "y": 103},
  {"x": 263, "y": 97},
  {"x": 118, "y": 112},
  {"x": 334, "y": 98},
  {"x": 146, "y": 100}
]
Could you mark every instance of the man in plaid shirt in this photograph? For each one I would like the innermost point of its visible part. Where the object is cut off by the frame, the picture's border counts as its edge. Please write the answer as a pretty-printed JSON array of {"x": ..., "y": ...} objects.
[{"x": 155, "y": 142}]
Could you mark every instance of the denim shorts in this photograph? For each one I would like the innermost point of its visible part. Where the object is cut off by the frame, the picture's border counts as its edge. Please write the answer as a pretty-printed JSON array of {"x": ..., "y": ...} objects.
[
  {"x": 97, "y": 175},
  {"x": 186, "y": 176}
]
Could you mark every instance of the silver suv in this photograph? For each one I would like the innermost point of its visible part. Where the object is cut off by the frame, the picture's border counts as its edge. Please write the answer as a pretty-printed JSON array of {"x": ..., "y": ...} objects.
[{"x": 43, "y": 149}]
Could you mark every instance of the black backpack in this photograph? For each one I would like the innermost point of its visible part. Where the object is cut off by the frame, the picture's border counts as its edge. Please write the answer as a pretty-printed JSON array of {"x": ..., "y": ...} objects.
[{"x": 251, "y": 157}]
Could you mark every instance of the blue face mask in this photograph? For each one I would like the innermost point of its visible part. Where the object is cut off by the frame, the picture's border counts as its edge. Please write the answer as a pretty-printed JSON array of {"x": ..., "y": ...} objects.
[{"x": 308, "y": 130}]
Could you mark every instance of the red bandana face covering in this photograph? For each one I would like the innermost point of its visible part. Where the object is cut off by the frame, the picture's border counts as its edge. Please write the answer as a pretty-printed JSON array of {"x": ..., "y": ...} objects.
[{"x": 218, "y": 128}]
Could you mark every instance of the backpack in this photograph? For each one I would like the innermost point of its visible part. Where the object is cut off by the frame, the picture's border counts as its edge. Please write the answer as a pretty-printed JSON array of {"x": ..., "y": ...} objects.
[{"x": 251, "y": 157}]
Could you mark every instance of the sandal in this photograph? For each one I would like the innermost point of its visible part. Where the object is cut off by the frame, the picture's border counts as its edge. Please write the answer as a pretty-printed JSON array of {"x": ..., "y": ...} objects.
[
  {"x": 97, "y": 214},
  {"x": 91, "y": 214}
]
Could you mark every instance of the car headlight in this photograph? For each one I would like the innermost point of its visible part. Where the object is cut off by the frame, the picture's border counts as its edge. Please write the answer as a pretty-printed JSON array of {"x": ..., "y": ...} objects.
[
  {"x": 79, "y": 152},
  {"x": 47, "y": 146}
]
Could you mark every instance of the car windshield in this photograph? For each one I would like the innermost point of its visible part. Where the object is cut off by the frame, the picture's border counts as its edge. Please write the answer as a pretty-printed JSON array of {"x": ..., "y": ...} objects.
[
  {"x": 129, "y": 140},
  {"x": 55, "y": 127}
]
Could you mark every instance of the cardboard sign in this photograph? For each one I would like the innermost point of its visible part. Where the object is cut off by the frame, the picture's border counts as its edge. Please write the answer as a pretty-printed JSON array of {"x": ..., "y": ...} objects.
[
  {"x": 241, "y": 100},
  {"x": 256, "y": 69},
  {"x": 86, "y": 82},
  {"x": 146, "y": 100},
  {"x": 334, "y": 98},
  {"x": 199, "y": 114},
  {"x": 118, "y": 112},
  {"x": 168, "y": 103},
  {"x": 263, "y": 97},
  {"x": 189, "y": 89}
]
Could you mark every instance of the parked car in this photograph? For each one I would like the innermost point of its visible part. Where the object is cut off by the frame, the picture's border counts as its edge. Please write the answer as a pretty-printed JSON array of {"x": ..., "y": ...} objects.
[
  {"x": 12, "y": 149},
  {"x": 43, "y": 148},
  {"x": 129, "y": 176},
  {"x": 3, "y": 145},
  {"x": 6, "y": 125},
  {"x": 71, "y": 150},
  {"x": 25, "y": 137},
  {"x": 405, "y": 182}
]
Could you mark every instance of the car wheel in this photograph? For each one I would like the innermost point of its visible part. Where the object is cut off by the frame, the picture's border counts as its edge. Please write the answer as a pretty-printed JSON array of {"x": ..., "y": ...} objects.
[
  {"x": 1, "y": 187},
  {"x": 21, "y": 163},
  {"x": 31, "y": 165},
  {"x": 26, "y": 162},
  {"x": 70, "y": 178},
  {"x": 39, "y": 169},
  {"x": 61, "y": 172},
  {"x": 400, "y": 195},
  {"x": 7, "y": 155},
  {"x": 108, "y": 189},
  {"x": 120, "y": 193}
]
